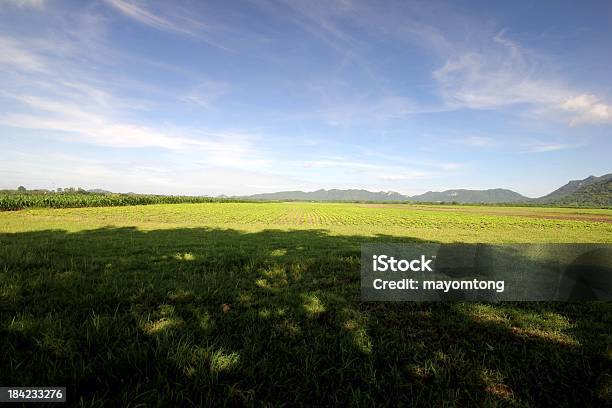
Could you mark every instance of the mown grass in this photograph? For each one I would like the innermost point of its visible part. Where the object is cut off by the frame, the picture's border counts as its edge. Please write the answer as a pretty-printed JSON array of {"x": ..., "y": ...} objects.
[{"x": 258, "y": 304}]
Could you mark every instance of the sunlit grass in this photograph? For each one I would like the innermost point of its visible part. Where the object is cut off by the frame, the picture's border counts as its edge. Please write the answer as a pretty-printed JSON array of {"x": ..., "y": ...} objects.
[{"x": 258, "y": 304}]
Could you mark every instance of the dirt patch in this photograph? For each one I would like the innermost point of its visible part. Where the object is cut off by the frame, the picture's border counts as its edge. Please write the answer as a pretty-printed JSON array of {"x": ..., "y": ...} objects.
[
  {"x": 571, "y": 217},
  {"x": 503, "y": 213}
]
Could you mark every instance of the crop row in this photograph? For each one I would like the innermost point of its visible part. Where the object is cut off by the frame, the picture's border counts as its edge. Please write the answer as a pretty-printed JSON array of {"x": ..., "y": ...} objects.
[{"x": 62, "y": 200}]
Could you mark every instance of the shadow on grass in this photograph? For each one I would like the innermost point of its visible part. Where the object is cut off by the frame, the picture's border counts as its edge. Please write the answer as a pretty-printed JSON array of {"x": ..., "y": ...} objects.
[{"x": 222, "y": 317}]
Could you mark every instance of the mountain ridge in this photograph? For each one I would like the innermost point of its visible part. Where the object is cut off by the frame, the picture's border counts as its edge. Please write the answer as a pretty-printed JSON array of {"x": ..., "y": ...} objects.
[
  {"x": 331, "y": 195},
  {"x": 489, "y": 196},
  {"x": 591, "y": 190},
  {"x": 572, "y": 187}
]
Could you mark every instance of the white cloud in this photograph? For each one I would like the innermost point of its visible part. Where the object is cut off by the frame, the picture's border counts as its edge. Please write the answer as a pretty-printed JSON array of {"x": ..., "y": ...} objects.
[
  {"x": 140, "y": 175},
  {"x": 144, "y": 16},
  {"x": 588, "y": 108},
  {"x": 206, "y": 94},
  {"x": 38, "y": 4},
  {"x": 55, "y": 94},
  {"x": 508, "y": 74},
  {"x": 580, "y": 103},
  {"x": 70, "y": 122},
  {"x": 492, "y": 72},
  {"x": 543, "y": 147},
  {"x": 14, "y": 54},
  {"x": 317, "y": 18},
  {"x": 98, "y": 131},
  {"x": 477, "y": 81},
  {"x": 171, "y": 22}
]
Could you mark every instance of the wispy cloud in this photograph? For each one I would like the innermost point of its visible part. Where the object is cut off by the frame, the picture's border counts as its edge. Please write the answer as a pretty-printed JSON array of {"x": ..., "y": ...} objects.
[
  {"x": 141, "y": 175},
  {"x": 342, "y": 112},
  {"x": 543, "y": 146},
  {"x": 374, "y": 171},
  {"x": 588, "y": 109},
  {"x": 491, "y": 71},
  {"x": 70, "y": 104},
  {"x": 172, "y": 20},
  {"x": 37, "y": 4},
  {"x": 71, "y": 122},
  {"x": 345, "y": 104},
  {"x": 503, "y": 75},
  {"x": 349, "y": 78},
  {"x": 508, "y": 74},
  {"x": 15, "y": 55},
  {"x": 320, "y": 19},
  {"x": 326, "y": 21},
  {"x": 429, "y": 166},
  {"x": 145, "y": 16},
  {"x": 85, "y": 127},
  {"x": 206, "y": 94}
]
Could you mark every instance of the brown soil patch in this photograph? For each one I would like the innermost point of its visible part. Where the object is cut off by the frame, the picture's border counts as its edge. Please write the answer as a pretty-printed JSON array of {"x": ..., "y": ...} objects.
[{"x": 511, "y": 213}]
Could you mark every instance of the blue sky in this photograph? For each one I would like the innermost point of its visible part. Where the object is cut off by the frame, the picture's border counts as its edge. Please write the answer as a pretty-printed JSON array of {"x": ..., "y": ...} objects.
[{"x": 231, "y": 97}]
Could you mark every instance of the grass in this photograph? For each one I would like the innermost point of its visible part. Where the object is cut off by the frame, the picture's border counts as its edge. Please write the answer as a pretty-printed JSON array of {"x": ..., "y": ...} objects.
[{"x": 258, "y": 304}]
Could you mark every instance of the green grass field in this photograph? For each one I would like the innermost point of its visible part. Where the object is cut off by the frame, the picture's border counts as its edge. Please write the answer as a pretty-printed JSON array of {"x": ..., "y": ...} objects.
[{"x": 258, "y": 304}]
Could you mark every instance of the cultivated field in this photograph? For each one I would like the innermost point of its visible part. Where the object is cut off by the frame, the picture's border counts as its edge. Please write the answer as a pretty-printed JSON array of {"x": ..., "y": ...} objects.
[{"x": 258, "y": 303}]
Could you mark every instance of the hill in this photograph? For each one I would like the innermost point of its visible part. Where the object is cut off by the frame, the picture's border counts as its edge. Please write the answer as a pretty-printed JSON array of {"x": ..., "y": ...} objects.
[
  {"x": 594, "y": 194},
  {"x": 497, "y": 195},
  {"x": 590, "y": 192},
  {"x": 331, "y": 195},
  {"x": 574, "y": 189},
  {"x": 460, "y": 196}
]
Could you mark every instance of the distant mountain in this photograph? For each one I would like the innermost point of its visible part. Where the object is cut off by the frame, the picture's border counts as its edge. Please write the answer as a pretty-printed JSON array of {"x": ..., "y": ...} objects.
[
  {"x": 590, "y": 192},
  {"x": 573, "y": 187},
  {"x": 459, "y": 196},
  {"x": 596, "y": 193},
  {"x": 497, "y": 195},
  {"x": 331, "y": 195}
]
